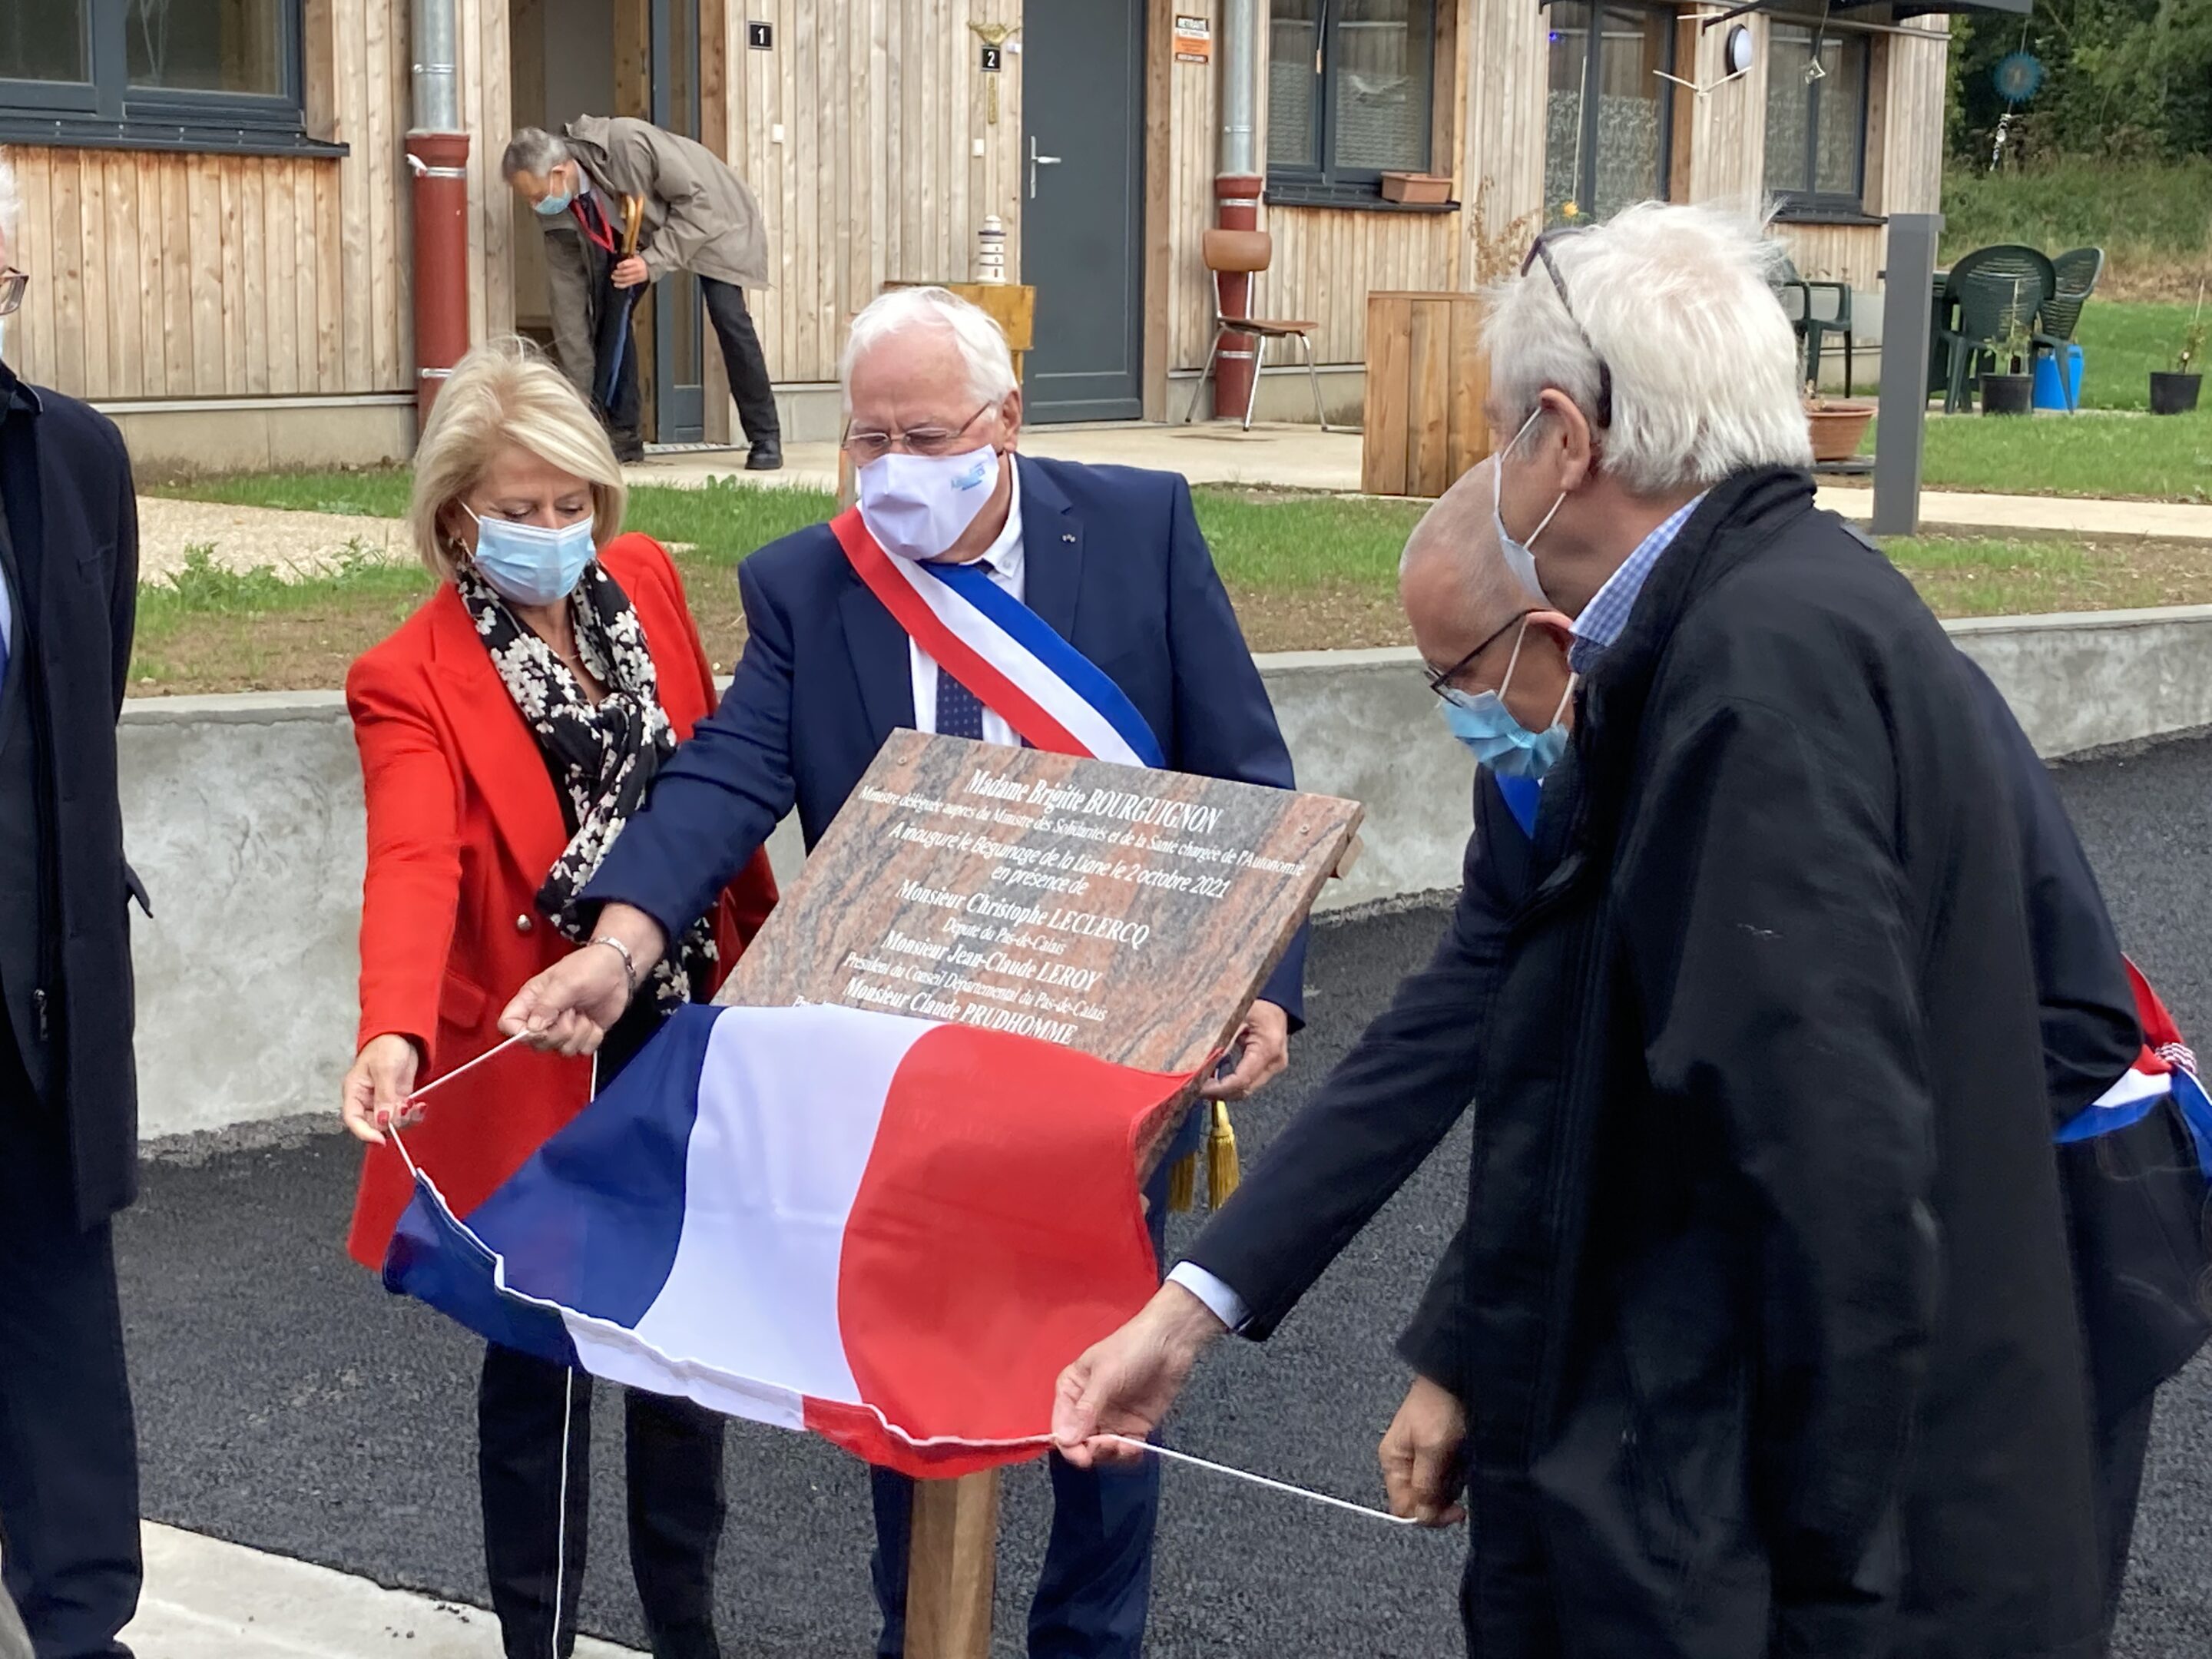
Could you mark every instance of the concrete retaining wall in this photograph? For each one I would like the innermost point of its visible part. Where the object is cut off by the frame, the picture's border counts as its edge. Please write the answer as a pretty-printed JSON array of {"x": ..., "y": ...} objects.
[{"x": 244, "y": 815}]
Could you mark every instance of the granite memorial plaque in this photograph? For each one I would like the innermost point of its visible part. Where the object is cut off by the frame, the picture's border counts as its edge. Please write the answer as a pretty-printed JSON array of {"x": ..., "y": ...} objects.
[{"x": 1129, "y": 913}]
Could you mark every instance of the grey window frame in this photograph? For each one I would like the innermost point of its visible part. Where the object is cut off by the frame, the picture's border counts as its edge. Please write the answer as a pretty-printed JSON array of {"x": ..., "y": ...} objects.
[
  {"x": 1593, "y": 45},
  {"x": 1801, "y": 198},
  {"x": 1316, "y": 181},
  {"x": 107, "y": 112}
]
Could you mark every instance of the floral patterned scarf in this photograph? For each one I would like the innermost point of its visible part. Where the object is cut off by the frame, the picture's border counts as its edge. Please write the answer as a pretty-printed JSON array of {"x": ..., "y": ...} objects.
[{"x": 603, "y": 757}]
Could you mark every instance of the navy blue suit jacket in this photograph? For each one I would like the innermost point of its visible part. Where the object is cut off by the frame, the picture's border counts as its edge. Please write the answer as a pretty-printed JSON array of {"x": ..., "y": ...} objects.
[{"x": 1113, "y": 560}]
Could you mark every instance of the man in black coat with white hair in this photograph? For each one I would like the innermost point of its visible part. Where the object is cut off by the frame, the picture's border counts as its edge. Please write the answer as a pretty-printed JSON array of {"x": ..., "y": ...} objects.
[
  {"x": 68, "y": 1146},
  {"x": 1771, "y": 1344}
]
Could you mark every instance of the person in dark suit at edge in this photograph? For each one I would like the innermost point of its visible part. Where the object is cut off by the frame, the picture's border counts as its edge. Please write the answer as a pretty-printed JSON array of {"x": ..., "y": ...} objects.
[
  {"x": 68, "y": 1108},
  {"x": 2131, "y": 1195},
  {"x": 1112, "y": 559}
]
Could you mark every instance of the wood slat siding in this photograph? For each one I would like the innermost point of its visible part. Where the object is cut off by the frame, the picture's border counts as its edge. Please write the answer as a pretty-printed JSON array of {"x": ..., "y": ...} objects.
[
  {"x": 1501, "y": 177},
  {"x": 162, "y": 276},
  {"x": 874, "y": 182}
]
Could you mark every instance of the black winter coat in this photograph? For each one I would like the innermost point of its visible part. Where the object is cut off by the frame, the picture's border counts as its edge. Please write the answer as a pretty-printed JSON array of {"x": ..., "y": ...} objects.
[
  {"x": 75, "y": 576},
  {"x": 1771, "y": 1342}
]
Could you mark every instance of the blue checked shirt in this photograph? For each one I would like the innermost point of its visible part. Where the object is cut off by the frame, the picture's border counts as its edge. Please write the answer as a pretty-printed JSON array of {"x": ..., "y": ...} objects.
[{"x": 1605, "y": 617}]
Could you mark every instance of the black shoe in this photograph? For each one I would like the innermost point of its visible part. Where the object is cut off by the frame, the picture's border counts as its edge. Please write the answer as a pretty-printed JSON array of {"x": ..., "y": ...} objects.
[
  {"x": 629, "y": 446},
  {"x": 765, "y": 458}
]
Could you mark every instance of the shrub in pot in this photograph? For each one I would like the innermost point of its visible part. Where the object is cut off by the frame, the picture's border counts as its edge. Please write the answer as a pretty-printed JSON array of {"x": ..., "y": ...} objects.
[
  {"x": 2173, "y": 391},
  {"x": 2011, "y": 391},
  {"x": 2008, "y": 394}
]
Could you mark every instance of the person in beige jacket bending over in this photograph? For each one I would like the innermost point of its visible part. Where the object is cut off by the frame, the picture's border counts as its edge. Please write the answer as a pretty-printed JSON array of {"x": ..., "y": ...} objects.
[{"x": 698, "y": 217}]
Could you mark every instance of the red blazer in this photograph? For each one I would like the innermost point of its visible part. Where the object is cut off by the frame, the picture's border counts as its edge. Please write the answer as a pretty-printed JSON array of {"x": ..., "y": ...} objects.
[{"x": 463, "y": 824}]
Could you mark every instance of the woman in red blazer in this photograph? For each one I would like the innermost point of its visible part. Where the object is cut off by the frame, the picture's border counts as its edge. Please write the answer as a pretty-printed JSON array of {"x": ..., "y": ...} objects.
[{"x": 506, "y": 731}]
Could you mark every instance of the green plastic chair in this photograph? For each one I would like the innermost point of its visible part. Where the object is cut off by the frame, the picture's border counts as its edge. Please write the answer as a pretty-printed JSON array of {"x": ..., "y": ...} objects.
[
  {"x": 1995, "y": 290},
  {"x": 1798, "y": 296},
  {"x": 2076, "y": 272}
]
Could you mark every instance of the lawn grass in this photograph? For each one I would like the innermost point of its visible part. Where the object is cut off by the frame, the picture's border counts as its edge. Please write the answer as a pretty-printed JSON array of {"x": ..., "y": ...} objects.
[
  {"x": 2021, "y": 575},
  {"x": 2114, "y": 456},
  {"x": 2121, "y": 344},
  {"x": 1304, "y": 572},
  {"x": 2148, "y": 216}
]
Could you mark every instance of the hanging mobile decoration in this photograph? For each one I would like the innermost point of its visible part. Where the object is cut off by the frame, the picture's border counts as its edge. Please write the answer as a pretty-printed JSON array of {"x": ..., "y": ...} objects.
[{"x": 2017, "y": 76}]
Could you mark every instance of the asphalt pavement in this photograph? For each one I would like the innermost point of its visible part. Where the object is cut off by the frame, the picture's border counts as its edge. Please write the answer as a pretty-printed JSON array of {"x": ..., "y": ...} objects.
[{"x": 287, "y": 1403}]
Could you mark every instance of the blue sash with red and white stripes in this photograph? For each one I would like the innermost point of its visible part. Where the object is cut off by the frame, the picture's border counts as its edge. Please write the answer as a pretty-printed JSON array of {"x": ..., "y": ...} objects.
[
  {"x": 2165, "y": 1070},
  {"x": 1052, "y": 694}
]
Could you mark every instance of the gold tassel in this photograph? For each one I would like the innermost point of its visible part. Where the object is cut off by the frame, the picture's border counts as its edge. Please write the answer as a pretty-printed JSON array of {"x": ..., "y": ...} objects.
[
  {"x": 1223, "y": 1171},
  {"x": 1182, "y": 1183}
]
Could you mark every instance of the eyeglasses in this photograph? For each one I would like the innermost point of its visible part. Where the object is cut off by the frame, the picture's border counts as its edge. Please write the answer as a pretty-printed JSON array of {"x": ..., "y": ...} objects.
[
  {"x": 1440, "y": 680},
  {"x": 1539, "y": 250},
  {"x": 12, "y": 285},
  {"x": 865, "y": 446}
]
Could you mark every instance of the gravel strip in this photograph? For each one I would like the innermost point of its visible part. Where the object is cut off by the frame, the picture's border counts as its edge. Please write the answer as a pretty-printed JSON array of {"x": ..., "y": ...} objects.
[{"x": 241, "y": 538}]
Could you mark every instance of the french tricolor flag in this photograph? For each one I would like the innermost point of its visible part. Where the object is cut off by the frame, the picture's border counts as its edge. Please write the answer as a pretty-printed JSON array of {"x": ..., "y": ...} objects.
[
  {"x": 2165, "y": 1070},
  {"x": 891, "y": 1231}
]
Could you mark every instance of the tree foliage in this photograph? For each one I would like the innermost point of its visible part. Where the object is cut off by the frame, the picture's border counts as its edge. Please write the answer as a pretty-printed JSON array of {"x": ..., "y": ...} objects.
[{"x": 2128, "y": 79}]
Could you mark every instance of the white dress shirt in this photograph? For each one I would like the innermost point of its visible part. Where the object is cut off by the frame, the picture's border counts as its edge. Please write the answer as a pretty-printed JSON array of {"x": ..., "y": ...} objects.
[
  {"x": 1005, "y": 565},
  {"x": 1223, "y": 1303}
]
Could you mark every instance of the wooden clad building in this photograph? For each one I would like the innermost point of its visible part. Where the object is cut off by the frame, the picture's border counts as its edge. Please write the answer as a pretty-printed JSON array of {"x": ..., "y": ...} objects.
[{"x": 216, "y": 198}]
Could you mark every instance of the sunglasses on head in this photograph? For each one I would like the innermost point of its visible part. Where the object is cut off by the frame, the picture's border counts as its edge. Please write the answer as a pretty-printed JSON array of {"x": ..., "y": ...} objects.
[{"x": 1541, "y": 250}]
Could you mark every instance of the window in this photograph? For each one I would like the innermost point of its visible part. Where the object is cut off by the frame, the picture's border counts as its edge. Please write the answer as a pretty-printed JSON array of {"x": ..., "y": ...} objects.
[
  {"x": 1816, "y": 120},
  {"x": 1350, "y": 91},
  {"x": 180, "y": 74},
  {"x": 1607, "y": 114}
]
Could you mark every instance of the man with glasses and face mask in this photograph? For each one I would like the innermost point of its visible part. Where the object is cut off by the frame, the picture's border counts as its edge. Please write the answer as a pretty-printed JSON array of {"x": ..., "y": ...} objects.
[
  {"x": 1762, "y": 1315},
  {"x": 1109, "y": 559}
]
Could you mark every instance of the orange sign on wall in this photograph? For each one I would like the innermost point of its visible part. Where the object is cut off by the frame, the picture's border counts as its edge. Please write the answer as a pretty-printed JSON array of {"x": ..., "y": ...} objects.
[{"x": 1193, "y": 39}]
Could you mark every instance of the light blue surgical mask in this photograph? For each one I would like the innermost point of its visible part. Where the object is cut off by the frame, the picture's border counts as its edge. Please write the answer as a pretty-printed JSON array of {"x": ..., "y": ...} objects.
[
  {"x": 552, "y": 206},
  {"x": 1519, "y": 557},
  {"x": 529, "y": 564},
  {"x": 1481, "y": 720}
]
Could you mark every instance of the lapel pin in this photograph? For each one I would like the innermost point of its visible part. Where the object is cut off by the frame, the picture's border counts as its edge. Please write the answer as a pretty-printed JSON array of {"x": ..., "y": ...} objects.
[{"x": 1065, "y": 537}]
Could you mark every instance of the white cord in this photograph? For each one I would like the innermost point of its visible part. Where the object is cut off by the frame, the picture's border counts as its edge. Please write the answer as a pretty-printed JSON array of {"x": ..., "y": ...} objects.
[
  {"x": 440, "y": 1081},
  {"x": 1310, "y": 1495},
  {"x": 560, "y": 1530}
]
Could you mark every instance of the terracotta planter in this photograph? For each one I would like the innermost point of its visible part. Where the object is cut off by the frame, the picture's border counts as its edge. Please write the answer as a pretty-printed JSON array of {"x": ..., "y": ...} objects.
[
  {"x": 1838, "y": 426},
  {"x": 1416, "y": 187},
  {"x": 2008, "y": 394},
  {"x": 2172, "y": 393}
]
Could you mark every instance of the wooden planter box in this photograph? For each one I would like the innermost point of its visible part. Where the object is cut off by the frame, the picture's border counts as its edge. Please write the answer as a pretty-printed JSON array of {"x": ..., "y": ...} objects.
[{"x": 1426, "y": 381}]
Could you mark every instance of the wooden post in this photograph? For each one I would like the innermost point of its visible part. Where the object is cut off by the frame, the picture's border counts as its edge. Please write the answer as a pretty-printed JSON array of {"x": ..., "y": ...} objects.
[{"x": 952, "y": 1567}]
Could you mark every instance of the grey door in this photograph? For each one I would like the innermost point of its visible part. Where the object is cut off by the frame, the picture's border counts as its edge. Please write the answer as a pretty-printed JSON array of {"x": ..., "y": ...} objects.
[
  {"x": 1083, "y": 190},
  {"x": 679, "y": 363}
]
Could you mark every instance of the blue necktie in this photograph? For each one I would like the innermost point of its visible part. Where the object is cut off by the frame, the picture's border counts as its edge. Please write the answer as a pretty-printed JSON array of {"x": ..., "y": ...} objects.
[{"x": 959, "y": 711}]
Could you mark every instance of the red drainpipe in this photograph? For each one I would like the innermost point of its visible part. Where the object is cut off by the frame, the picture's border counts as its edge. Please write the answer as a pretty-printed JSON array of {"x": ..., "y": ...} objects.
[
  {"x": 440, "y": 163},
  {"x": 1236, "y": 207}
]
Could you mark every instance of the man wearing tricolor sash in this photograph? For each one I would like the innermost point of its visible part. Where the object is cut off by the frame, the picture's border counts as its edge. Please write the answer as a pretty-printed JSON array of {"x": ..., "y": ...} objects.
[{"x": 972, "y": 592}]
